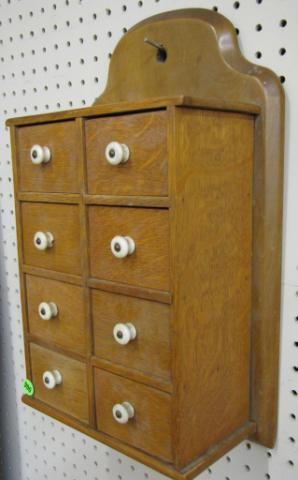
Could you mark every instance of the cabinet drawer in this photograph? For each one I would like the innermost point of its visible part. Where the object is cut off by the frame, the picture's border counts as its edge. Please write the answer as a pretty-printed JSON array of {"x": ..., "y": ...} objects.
[
  {"x": 145, "y": 171},
  {"x": 148, "y": 265},
  {"x": 116, "y": 316},
  {"x": 150, "y": 427},
  {"x": 56, "y": 312},
  {"x": 61, "y": 172},
  {"x": 62, "y": 221},
  {"x": 70, "y": 396}
]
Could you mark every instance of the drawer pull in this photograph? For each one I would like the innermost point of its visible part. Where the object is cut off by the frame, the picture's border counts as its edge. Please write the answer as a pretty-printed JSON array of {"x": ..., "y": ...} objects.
[
  {"x": 123, "y": 412},
  {"x": 117, "y": 153},
  {"x": 47, "y": 310},
  {"x": 51, "y": 379},
  {"x": 40, "y": 154},
  {"x": 43, "y": 240},
  {"x": 122, "y": 246},
  {"x": 124, "y": 333}
]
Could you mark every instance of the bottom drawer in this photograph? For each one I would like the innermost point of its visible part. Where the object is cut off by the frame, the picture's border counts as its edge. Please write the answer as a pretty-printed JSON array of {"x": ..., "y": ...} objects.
[
  {"x": 60, "y": 381},
  {"x": 134, "y": 413}
]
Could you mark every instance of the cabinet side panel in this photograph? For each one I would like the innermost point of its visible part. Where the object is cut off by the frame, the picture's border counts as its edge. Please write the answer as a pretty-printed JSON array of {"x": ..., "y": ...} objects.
[{"x": 211, "y": 183}]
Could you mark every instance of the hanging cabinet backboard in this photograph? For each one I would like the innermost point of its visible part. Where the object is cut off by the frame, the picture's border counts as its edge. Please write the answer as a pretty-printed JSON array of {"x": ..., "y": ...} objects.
[{"x": 149, "y": 237}]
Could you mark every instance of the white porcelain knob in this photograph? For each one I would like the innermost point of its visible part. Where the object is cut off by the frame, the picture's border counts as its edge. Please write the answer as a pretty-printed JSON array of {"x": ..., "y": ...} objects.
[
  {"x": 47, "y": 310},
  {"x": 124, "y": 333},
  {"x": 51, "y": 379},
  {"x": 39, "y": 154},
  {"x": 123, "y": 412},
  {"x": 122, "y": 246},
  {"x": 43, "y": 240},
  {"x": 117, "y": 153}
]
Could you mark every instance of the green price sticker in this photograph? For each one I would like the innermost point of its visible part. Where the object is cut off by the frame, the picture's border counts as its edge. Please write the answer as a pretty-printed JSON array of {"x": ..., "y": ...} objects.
[{"x": 28, "y": 387}]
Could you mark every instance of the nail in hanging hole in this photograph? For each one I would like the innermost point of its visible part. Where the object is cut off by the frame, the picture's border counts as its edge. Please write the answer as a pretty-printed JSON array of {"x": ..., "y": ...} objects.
[{"x": 161, "y": 54}]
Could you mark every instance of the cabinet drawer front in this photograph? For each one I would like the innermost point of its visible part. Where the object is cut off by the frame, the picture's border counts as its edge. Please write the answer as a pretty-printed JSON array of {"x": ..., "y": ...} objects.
[
  {"x": 71, "y": 395},
  {"x": 62, "y": 221},
  {"x": 61, "y": 172},
  {"x": 145, "y": 171},
  {"x": 150, "y": 428},
  {"x": 148, "y": 266},
  {"x": 150, "y": 350},
  {"x": 67, "y": 329}
]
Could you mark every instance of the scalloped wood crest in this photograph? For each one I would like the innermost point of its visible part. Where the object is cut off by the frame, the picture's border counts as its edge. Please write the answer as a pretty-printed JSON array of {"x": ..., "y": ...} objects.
[{"x": 197, "y": 55}]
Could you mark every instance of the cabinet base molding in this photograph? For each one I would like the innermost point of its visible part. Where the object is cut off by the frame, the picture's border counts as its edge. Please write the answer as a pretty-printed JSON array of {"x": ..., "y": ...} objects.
[{"x": 191, "y": 471}]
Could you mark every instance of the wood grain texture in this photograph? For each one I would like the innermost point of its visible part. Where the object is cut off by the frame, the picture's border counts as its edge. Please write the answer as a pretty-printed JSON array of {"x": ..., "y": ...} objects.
[
  {"x": 150, "y": 350},
  {"x": 227, "y": 79},
  {"x": 42, "y": 197},
  {"x": 145, "y": 172},
  {"x": 148, "y": 266},
  {"x": 63, "y": 222},
  {"x": 159, "y": 383},
  {"x": 211, "y": 181},
  {"x": 207, "y": 241},
  {"x": 60, "y": 174},
  {"x": 81, "y": 145},
  {"x": 68, "y": 328},
  {"x": 150, "y": 429},
  {"x": 147, "y": 104},
  {"x": 61, "y": 277},
  {"x": 128, "y": 200},
  {"x": 71, "y": 395},
  {"x": 19, "y": 227},
  {"x": 131, "y": 291}
]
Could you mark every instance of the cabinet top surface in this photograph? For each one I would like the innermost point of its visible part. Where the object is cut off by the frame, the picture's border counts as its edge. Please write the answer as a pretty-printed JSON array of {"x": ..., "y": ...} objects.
[{"x": 129, "y": 107}]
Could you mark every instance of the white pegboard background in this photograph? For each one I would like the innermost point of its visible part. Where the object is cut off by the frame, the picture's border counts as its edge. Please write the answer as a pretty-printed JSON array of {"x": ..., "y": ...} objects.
[{"x": 54, "y": 55}]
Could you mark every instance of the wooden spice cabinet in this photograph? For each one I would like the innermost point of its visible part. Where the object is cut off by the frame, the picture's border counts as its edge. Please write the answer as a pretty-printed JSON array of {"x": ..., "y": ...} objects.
[{"x": 188, "y": 298}]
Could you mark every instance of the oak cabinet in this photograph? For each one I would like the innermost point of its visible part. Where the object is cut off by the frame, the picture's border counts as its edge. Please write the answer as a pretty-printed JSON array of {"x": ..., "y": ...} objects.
[{"x": 149, "y": 234}]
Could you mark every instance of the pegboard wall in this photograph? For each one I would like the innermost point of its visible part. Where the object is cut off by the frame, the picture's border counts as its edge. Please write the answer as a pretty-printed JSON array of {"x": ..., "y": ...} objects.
[{"x": 54, "y": 55}]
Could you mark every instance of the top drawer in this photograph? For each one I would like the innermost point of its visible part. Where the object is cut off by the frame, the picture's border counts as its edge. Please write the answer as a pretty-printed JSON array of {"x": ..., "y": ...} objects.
[
  {"x": 145, "y": 171},
  {"x": 61, "y": 172}
]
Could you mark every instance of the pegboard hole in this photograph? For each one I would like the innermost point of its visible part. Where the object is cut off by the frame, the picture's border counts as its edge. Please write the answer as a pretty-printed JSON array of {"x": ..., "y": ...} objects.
[
  {"x": 258, "y": 54},
  {"x": 215, "y": 9},
  {"x": 267, "y": 476},
  {"x": 292, "y": 439},
  {"x": 291, "y": 463},
  {"x": 259, "y": 27},
  {"x": 236, "y": 5},
  {"x": 283, "y": 23},
  {"x": 282, "y": 51}
]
